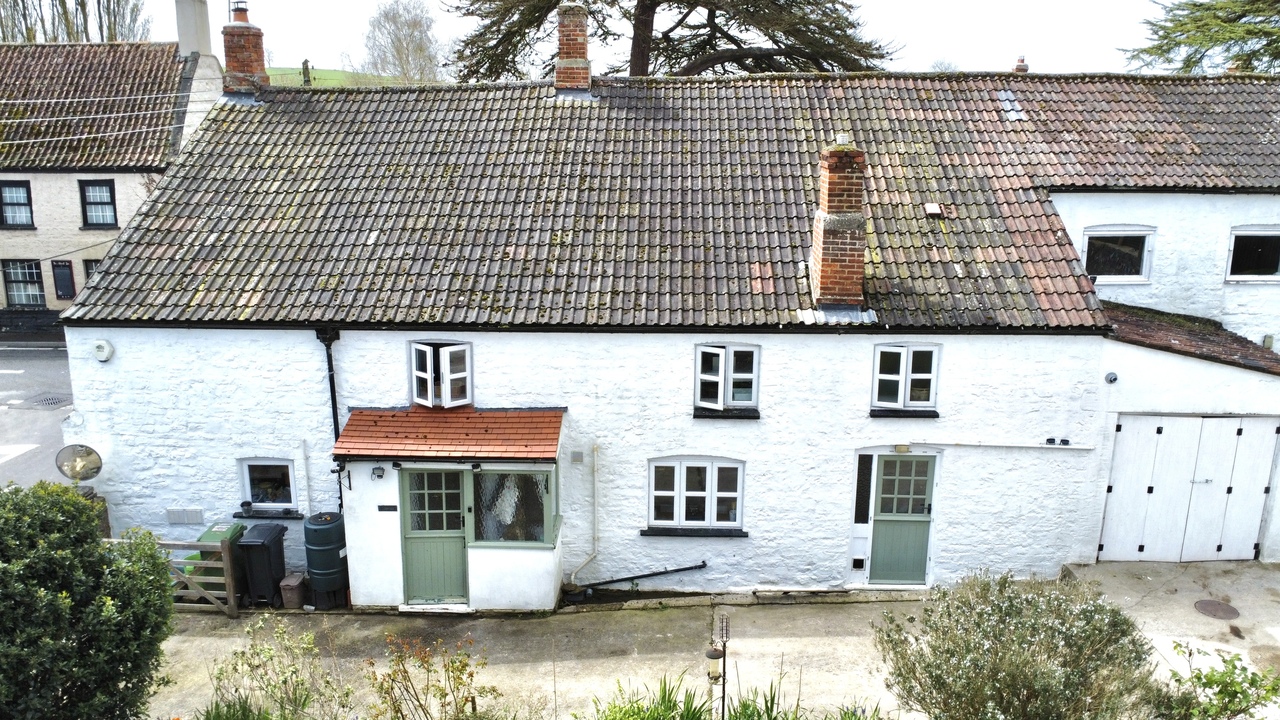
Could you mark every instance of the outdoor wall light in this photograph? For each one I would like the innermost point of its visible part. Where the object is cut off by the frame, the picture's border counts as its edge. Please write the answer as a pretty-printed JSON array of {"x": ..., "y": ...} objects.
[
  {"x": 396, "y": 466},
  {"x": 902, "y": 449},
  {"x": 377, "y": 473},
  {"x": 475, "y": 466}
]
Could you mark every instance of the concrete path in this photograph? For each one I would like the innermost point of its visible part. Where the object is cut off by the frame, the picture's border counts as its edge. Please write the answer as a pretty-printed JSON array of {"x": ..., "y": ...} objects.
[{"x": 823, "y": 651}]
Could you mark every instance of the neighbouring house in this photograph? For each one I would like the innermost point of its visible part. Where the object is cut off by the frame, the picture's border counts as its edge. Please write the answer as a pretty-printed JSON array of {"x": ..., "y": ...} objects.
[
  {"x": 86, "y": 129},
  {"x": 816, "y": 331}
]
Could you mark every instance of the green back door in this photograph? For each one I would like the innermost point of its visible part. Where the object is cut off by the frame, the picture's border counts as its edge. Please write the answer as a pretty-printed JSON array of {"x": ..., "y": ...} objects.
[
  {"x": 435, "y": 543},
  {"x": 900, "y": 533}
]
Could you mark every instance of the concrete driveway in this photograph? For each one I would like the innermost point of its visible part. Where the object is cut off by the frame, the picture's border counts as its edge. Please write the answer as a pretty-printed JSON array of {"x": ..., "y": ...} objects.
[{"x": 822, "y": 650}]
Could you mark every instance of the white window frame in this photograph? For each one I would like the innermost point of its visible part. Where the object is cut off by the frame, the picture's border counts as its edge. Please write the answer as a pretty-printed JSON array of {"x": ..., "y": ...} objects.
[
  {"x": 436, "y": 368},
  {"x": 1148, "y": 233},
  {"x": 1246, "y": 231},
  {"x": 725, "y": 377},
  {"x": 247, "y": 491},
  {"x": 712, "y": 493},
  {"x": 906, "y": 352}
]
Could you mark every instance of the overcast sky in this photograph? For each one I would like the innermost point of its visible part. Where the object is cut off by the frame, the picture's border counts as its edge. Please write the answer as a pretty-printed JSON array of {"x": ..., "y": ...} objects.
[{"x": 1057, "y": 37}]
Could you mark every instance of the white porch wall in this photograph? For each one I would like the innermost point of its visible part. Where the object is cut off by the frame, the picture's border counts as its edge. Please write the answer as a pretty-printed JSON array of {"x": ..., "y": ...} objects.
[
  {"x": 1190, "y": 246},
  {"x": 1152, "y": 382}
]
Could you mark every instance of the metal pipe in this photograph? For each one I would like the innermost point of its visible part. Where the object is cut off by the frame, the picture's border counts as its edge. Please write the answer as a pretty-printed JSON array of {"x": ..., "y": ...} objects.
[
  {"x": 329, "y": 335},
  {"x": 595, "y": 513},
  {"x": 663, "y": 571}
]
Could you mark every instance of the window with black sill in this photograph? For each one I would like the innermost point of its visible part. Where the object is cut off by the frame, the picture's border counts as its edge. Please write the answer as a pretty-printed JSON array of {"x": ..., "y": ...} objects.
[
  {"x": 726, "y": 381},
  {"x": 905, "y": 382},
  {"x": 268, "y": 488},
  {"x": 695, "y": 496}
]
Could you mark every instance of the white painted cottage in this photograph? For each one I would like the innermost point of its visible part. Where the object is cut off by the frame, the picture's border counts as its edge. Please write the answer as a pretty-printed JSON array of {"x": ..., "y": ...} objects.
[
  {"x": 86, "y": 129},
  {"x": 816, "y": 331}
]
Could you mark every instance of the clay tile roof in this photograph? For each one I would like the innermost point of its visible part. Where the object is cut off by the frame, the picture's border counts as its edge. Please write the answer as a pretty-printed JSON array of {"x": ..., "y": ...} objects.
[
  {"x": 124, "y": 95},
  {"x": 664, "y": 202},
  {"x": 1188, "y": 335},
  {"x": 455, "y": 434}
]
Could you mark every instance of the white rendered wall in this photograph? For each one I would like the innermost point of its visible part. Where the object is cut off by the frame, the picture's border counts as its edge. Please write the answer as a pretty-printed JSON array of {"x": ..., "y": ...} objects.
[
  {"x": 173, "y": 411},
  {"x": 518, "y": 578},
  {"x": 1151, "y": 382},
  {"x": 629, "y": 396},
  {"x": 1189, "y": 255},
  {"x": 55, "y": 207}
]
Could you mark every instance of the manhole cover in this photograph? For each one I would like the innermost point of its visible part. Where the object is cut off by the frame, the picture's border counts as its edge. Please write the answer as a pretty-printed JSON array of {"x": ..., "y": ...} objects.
[
  {"x": 1217, "y": 609},
  {"x": 45, "y": 401}
]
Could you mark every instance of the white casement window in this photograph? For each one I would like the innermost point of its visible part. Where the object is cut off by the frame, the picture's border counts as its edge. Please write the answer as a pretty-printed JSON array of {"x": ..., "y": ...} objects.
[
  {"x": 1254, "y": 255},
  {"x": 726, "y": 376},
  {"x": 906, "y": 376},
  {"x": 1118, "y": 253},
  {"x": 268, "y": 483},
  {"x": 695, "y": 492},
  {"x": 440, "y": 374}
]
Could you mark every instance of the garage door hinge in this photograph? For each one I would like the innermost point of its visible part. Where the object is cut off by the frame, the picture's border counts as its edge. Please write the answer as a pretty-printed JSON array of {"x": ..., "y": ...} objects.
[
  {"x": 1141, "y": 548},
  {"x": 1239, "y": 431},
  {"x": 1150, "y": 489},
  {"x": 1160, "y": 430}
]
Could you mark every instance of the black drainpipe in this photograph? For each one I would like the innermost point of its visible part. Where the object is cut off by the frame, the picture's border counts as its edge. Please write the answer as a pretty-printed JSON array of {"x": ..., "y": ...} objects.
[{"x": 328, "y": 336}]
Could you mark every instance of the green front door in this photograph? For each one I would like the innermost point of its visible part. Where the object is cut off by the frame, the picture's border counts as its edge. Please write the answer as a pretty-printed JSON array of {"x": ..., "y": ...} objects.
[
  {"x": 435, "y": 543},
  {"x": 900, "y": 533}
]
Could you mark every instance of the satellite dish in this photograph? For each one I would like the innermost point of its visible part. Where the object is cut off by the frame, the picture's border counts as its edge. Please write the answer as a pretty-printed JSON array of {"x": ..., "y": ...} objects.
[{"x": 79, "y": 462}]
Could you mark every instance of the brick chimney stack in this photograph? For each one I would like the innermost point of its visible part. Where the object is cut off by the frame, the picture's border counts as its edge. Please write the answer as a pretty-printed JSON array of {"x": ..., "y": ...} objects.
[
  {"x": 1022, "y": 66},
  {"x": 573, "y": 69},
  {"x": 838, "y": 257},
  {"x": 246, "y": 61}
]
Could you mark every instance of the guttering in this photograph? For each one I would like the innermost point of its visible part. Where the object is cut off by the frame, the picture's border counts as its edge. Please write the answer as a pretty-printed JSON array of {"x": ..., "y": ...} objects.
[{"x": 595, "y": 513}]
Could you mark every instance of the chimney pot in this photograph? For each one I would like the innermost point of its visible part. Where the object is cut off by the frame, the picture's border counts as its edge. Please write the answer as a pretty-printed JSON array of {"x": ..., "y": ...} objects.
[
  {"x": 1022, "y": 66},
  {"x": 246, "y": 60},
  {"x": 837, "y": 258},
  {"x": 573, "y": 69}
]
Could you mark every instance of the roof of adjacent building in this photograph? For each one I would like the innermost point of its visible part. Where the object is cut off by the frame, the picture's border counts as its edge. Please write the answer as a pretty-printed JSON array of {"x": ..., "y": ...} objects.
[
  {"x": 455, "y": 434},
  {"x": 1188, "y": 335},
  {"x": 663, "y": 202},
  {"x": 87, "y": 106}
]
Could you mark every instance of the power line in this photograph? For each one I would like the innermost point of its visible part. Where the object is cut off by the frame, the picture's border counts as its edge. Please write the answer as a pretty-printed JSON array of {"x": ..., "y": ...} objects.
[
  {"x": 97, "y": 98},
  {"x": 65, "y": 118},
  {"x": 36, "y": 263},
  {"x": 89, "y": 136}
]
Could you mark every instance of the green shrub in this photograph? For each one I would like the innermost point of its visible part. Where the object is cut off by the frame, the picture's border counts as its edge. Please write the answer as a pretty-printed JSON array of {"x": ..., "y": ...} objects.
[
  {"x": 81, "y": 621},
  {"x": 671, "y": 701},
  {"x": 1232, "y": 691},
  {"x": 235, "y": 709},
  {"x": 992, "y": 647},
  {"x": 279, "y": 676}
]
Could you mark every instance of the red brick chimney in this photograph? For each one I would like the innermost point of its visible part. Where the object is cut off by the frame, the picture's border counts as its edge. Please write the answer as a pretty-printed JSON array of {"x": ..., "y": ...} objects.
[
  {"x": 246, "y": 62},
  {"x": 573, "y": 69},
  {"x": 838, "y": 258},
  {"x": 1022, "y": 66}
]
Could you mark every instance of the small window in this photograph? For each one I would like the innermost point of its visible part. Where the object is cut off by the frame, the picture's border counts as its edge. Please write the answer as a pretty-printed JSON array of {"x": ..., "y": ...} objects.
[
  {"x": 1120, "y": 253},
  {"x": 906, "y": 376},
  {"x": 15, "y": 205},
  {"x": 23, "y": 284},
  {"x": 1255, "y": 257},
  {"x": 64, "y": 283},
  {"x": 441, "y": 374},
  {"x": 98, "y": 203},
  {"x": 268, "y": 483},
  {"x": 695, "y": 493},
  {"x": 90, "y": 267},
  {"x": 727, "y": 376},
  {"x": 513, "y": 506}
]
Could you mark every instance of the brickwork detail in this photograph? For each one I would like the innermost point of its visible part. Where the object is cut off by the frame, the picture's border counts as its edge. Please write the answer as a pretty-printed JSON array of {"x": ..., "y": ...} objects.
[
  {"x": 573, "y": 69},
  {"x": 244, "y": 55},
  {"x": 837, "y": 263}
]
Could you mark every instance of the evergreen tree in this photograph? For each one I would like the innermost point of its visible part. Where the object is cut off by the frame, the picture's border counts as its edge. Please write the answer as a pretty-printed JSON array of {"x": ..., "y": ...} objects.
[
  {"x": 1195, "y": 36},
  {"x": 675, "y": 37}
]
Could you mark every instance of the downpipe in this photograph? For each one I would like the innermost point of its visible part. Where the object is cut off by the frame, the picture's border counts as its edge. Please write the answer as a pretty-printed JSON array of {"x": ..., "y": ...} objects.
[{"x": 595, "y": 513}]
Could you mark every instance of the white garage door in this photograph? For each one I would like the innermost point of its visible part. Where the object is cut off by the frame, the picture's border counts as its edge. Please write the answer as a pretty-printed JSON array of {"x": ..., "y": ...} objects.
[{"x": 1187, "y": 488}]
